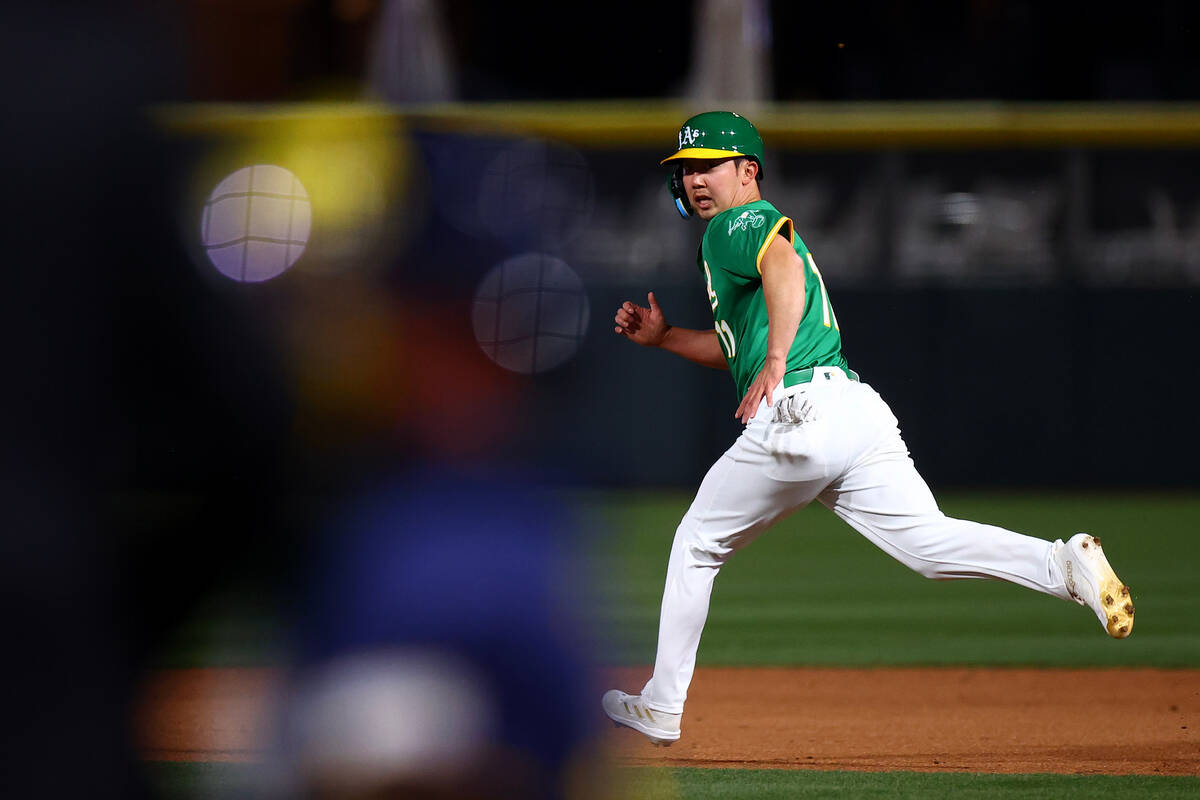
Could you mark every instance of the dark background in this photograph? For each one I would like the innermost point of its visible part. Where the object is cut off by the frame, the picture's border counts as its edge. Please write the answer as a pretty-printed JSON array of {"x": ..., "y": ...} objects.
[
  {"x": 1011, "y": 380},
  {"x": 854, "y": 50},
  {"x": 151, "y": 452}
]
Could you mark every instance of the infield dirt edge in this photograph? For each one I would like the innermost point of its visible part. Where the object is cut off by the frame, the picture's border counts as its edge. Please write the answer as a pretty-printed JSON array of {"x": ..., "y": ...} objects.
[{"x": 1123, "y": 721}]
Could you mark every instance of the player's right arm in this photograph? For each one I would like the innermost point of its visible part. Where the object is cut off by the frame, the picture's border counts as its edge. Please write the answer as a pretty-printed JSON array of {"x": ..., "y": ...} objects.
[{"x": 648, "y": 327}]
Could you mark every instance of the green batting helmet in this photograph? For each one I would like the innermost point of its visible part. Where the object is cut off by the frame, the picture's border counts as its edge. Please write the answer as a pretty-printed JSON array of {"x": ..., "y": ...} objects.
[
  {"x": 719, "y": 134},
  {"x": 713, "y": 134}
]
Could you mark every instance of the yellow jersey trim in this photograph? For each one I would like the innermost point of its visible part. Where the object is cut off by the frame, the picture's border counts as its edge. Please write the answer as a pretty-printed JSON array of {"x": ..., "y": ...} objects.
[{"x": 762, "y": 251}]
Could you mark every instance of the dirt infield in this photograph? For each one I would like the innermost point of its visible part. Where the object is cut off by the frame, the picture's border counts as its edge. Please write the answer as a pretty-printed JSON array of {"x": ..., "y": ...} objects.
[
  {"x": 1111, "y": 721},
  {"x": 1137, "y": 721}
]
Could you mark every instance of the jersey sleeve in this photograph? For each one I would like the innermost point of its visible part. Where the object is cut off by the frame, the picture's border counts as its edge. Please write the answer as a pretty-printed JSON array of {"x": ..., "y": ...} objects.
[{"x": 741, "y": 239}]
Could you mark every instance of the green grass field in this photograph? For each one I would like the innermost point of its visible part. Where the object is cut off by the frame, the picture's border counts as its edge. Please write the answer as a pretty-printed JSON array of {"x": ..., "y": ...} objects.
[
  {"x": 813, "y": 592},
  {"x": 712, "y": 784},
  {"x": 183, "y": 781}
]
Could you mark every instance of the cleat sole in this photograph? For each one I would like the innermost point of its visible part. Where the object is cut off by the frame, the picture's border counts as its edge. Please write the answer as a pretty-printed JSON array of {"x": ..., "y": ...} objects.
[{"x": 1120, "y": 620}]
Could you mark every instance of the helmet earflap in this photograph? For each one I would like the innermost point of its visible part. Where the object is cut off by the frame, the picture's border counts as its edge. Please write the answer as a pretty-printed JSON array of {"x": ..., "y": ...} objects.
[{"x": 675, "y": 184}]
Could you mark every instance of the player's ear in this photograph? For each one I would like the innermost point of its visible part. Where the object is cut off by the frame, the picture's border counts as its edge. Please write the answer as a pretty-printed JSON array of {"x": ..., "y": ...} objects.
[{"x": 749, "y": 170}]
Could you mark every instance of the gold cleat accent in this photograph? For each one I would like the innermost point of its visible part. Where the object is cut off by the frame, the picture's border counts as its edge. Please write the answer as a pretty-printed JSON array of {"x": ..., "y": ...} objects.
[
  {"x": 1120, "y": 621},
  {"x": 1092, "y": 582}
]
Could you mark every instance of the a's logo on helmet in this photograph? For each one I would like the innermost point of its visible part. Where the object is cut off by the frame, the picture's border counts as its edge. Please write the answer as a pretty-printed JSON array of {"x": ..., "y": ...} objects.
[{"x": 688, "y": 136}]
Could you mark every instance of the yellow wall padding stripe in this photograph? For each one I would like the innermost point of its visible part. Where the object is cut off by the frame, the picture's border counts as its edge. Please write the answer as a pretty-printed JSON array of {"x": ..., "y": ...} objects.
[{"x": 800, "y": 126}]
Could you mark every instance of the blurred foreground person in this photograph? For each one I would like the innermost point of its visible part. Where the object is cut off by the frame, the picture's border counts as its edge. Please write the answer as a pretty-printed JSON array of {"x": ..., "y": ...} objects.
[
  {"x": 442, "y": 651},
  {"x": 82, "y": 222}
]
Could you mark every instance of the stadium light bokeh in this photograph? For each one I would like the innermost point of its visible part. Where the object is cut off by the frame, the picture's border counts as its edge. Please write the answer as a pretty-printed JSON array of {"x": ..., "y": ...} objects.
[
  {"x": 530, "y": 313},
  {"x": 256, "y": 223},
  {"x": 353, "y": 207}
]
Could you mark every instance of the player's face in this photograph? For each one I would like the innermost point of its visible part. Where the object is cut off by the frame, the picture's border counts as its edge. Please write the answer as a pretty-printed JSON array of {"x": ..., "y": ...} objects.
[{"x": 715, "y": 185}]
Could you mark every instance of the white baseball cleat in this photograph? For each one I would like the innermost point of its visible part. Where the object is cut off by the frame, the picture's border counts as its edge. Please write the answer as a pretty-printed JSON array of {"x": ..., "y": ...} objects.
[
  {"x": 1091, "y": 581},
  {"x": 629, "y": 710}
]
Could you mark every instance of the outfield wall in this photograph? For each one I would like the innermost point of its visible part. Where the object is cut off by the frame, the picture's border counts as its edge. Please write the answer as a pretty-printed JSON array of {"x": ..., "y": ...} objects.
[
  {"x": 1019, "y": 281},
  {"x": 998, "y": 387}
]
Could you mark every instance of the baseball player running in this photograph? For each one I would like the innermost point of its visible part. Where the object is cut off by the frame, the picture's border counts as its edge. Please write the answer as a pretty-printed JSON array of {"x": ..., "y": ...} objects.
[{"x": 813, "y": 430}]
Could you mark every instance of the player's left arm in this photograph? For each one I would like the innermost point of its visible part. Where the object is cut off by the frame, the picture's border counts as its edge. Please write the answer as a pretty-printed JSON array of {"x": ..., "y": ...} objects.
[{"x": 783, "y": 290}]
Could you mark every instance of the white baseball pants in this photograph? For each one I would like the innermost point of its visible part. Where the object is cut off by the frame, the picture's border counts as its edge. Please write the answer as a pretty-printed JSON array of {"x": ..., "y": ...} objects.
[{"x": 833, "y": 440}]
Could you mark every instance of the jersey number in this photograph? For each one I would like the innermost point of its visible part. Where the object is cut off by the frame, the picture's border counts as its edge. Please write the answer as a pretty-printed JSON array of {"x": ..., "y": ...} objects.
[
  {"x": 712, "y": 295},
  {"x": 827, "y": 315},
  {"x": 725, "y": 334}
]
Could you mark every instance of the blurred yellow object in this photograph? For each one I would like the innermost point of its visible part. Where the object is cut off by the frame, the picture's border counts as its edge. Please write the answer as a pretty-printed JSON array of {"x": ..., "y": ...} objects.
[
  {"x": 355, "y": 167},
  {"x": 353, "y": 172}
]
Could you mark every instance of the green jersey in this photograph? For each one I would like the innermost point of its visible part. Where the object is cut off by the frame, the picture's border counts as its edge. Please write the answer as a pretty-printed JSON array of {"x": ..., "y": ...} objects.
[{"x": 730, "y": 259}]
